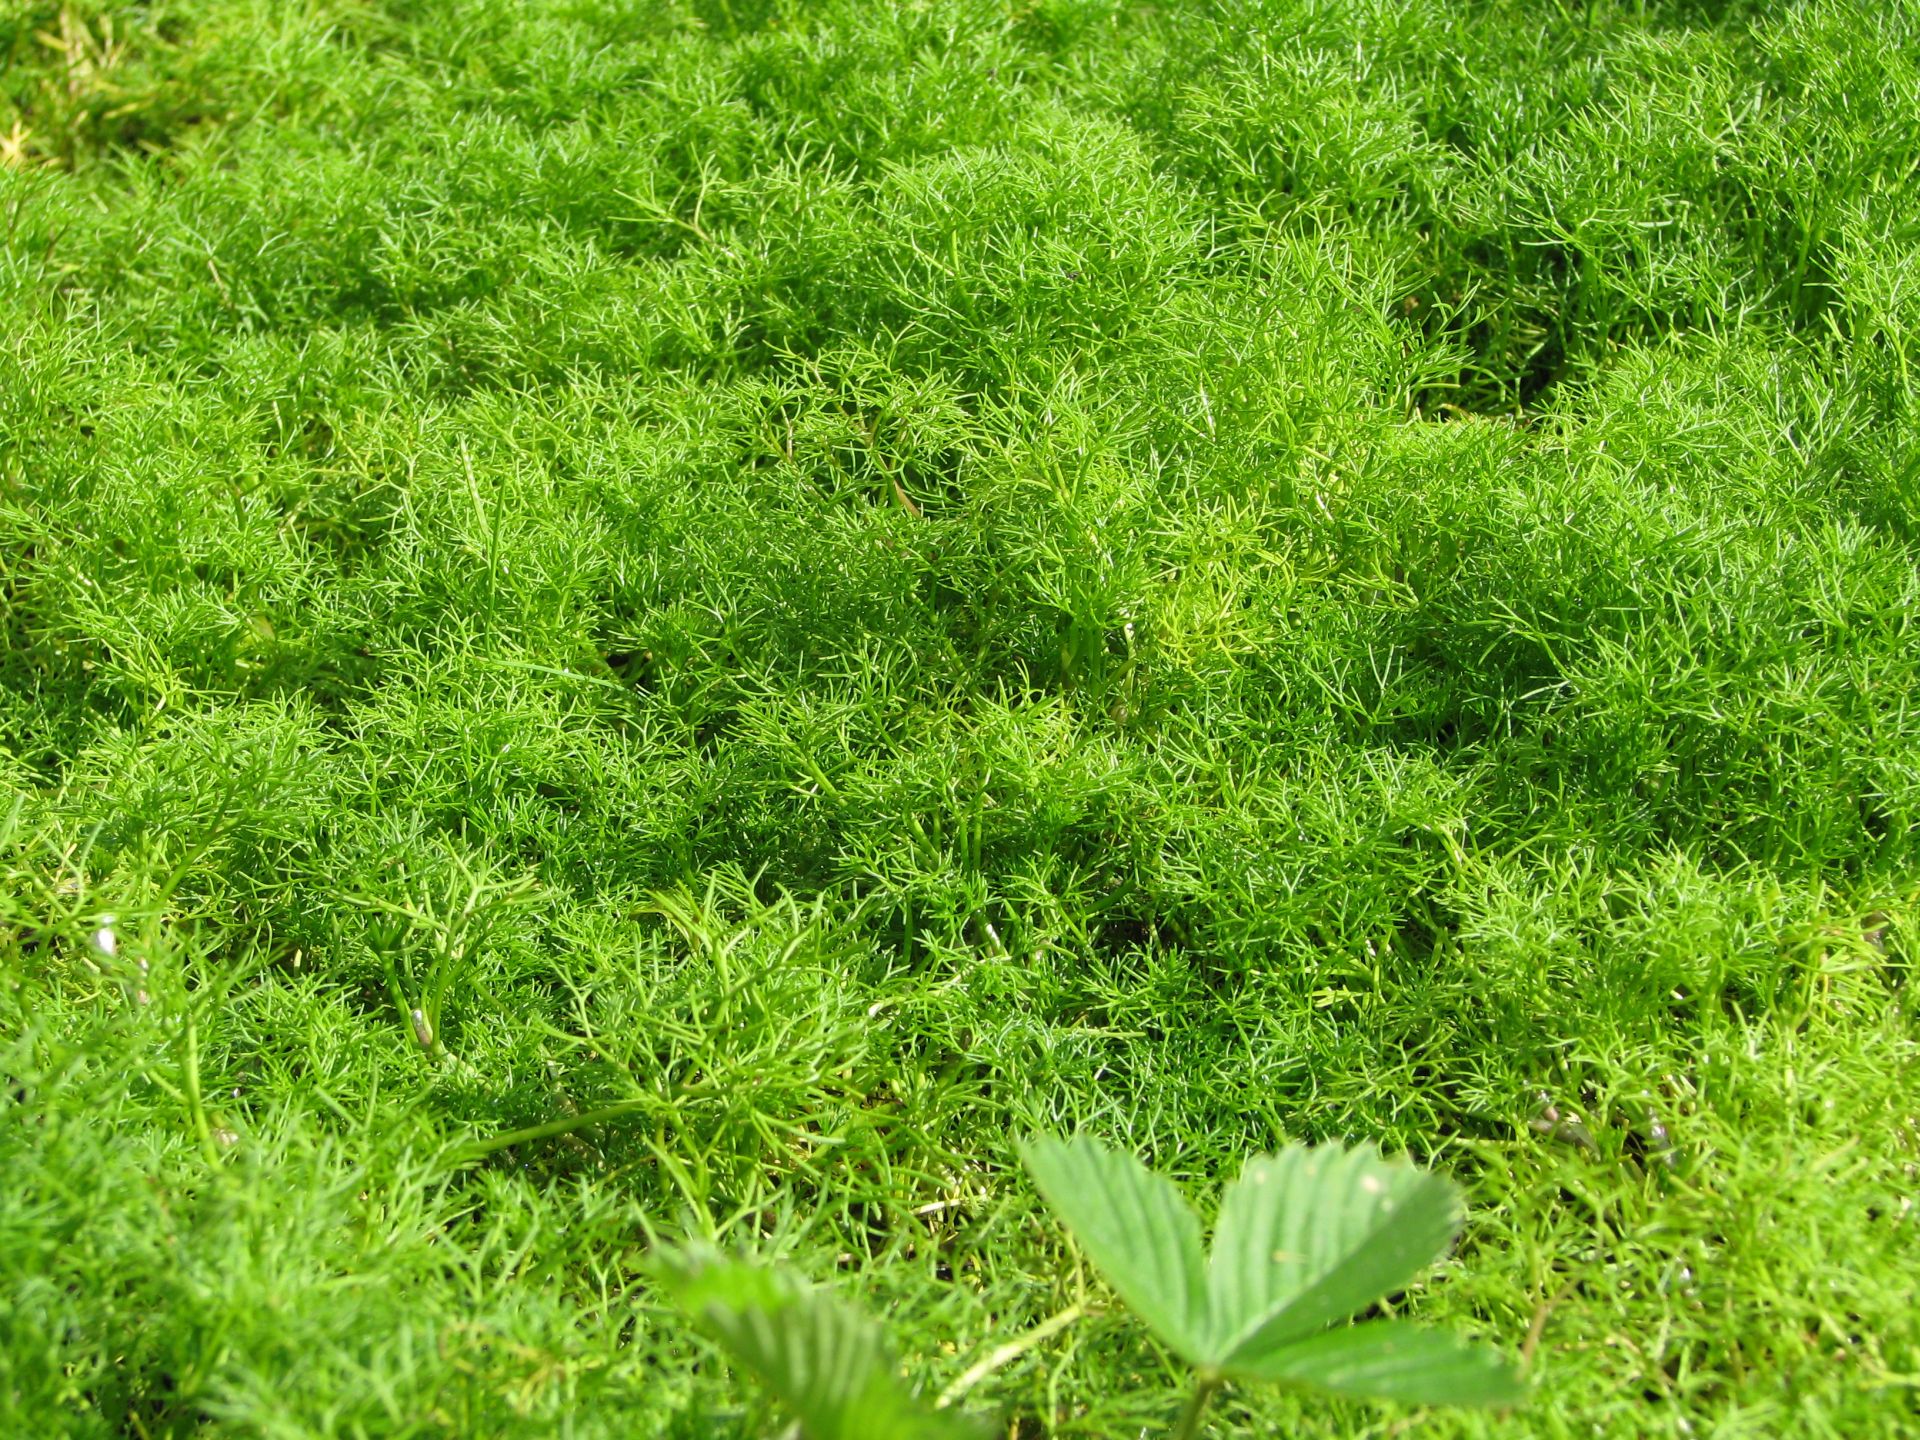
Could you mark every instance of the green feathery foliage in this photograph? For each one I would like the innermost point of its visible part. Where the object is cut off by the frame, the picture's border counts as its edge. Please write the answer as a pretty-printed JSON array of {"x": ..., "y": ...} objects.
[{"x": 819, "y": 587}]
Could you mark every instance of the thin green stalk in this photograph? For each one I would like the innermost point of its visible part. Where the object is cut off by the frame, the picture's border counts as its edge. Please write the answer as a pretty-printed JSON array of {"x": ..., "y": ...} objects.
[
  {"x": 1193, "y": 1418},
  {"x": 480, "y": 1149},
  {"x": 196, "y": 1107},
  {"x": 1006, "y": 1354}
]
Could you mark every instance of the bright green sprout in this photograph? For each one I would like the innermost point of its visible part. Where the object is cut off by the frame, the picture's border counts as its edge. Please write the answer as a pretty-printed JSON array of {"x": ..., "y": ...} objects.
[{"x": 1305, "y": 1239}]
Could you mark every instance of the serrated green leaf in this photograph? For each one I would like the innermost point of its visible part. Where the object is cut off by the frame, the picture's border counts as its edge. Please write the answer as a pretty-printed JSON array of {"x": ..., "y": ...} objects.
[
  {"x": 820, "y": 1358},
  {"x": 1311, "y": 1235},
  {"x": 1137, "y": 1230},
  {"x": 1390, "y": 1360}
]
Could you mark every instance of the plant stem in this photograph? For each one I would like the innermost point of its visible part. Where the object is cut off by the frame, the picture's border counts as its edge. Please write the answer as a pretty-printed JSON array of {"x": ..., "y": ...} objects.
[
  {"x": 480, "y": 1149},
  {"x": 1007, "y": 1353},
  {"x": 1195, "y": 1414},
  {"x": 196, "y": 1106}
]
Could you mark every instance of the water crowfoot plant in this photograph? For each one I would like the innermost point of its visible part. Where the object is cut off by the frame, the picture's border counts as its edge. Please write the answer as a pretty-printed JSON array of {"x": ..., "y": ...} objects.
[
  {"x": 444, "y": 927},
  {"x": 1253, "y": 568}
]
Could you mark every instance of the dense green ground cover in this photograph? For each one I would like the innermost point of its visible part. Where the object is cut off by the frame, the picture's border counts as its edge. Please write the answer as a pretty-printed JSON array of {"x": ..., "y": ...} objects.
[{"x": 856, "y": 580}]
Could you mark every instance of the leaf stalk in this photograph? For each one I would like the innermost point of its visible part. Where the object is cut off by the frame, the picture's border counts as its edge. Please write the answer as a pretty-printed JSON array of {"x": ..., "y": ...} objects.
[{"x": 1193, "y": 1418}]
